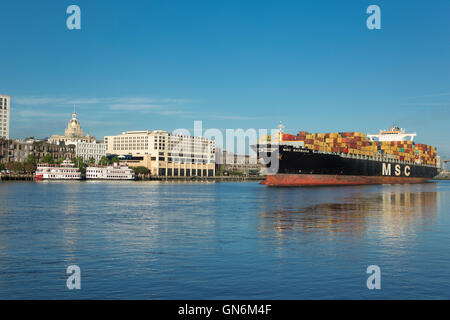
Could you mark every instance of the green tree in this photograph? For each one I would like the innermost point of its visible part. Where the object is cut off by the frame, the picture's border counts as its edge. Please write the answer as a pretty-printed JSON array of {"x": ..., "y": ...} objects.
[
  {"x": 141, "y": 170},
  {"x": 29, "y": 167},
  {"x": 15, "y": 167},
  {"x": 220, "y": 170},
  {"x": 31, "y": 159},
  {"x": 115, "y": 160},
  {"x": 91, "y": 161},
  {"x": 48, "y": 159},
  {"x": 79, "y": 163},
  {"x": 60, "y": 161},
  {"x": 29, "y": 164},
  {"x": 2, "y": 166},
  {"x": 103, "y": 161}
]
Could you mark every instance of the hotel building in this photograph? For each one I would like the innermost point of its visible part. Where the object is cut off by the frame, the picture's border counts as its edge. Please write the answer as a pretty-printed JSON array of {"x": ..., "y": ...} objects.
[
  {"x": 165, "y": 154},
  {"x": 4, "y": 116},
  {"x": 88, "y": 150}
]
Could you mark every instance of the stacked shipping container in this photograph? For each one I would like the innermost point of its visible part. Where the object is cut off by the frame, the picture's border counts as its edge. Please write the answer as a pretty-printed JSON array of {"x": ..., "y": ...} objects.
[{"x": 357, "y": 143}]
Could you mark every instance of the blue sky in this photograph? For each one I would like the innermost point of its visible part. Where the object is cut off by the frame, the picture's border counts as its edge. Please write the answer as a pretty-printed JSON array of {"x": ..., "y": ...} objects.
[{"x": 232, "y": 64}]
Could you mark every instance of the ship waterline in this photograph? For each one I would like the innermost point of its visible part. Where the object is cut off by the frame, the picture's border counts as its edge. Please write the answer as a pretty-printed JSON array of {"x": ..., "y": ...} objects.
[{"x": 330, "y": 180}]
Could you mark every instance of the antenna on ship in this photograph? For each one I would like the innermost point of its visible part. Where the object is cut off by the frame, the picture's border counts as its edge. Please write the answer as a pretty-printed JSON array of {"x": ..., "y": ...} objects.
[
  {"x": 395, "y": 126},
  {"x": 280, "y": 127}
]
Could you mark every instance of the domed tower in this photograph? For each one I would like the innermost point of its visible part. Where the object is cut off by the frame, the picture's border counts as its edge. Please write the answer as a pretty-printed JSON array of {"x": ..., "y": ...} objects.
[{"x": 73, "y": 127}]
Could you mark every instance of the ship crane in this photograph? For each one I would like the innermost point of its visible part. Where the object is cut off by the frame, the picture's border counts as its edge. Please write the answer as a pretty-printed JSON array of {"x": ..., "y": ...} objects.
[{"x": 393, "y": 134}]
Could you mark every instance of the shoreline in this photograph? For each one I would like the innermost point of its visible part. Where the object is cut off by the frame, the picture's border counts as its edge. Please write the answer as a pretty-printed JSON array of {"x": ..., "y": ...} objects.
[{"x": 27, "y": 177}]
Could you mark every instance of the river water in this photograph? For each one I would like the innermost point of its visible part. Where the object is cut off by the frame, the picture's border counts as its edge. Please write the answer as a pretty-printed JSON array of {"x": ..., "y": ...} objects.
[{"x": 157, "y": 240}]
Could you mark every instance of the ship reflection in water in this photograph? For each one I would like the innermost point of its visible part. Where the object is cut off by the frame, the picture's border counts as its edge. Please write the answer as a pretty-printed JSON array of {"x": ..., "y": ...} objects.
[{"x": 389, "y": 211}]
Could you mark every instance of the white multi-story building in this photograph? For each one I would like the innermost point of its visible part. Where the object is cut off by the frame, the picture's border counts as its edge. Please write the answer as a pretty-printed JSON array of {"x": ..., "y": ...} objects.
[
  {"x": 88, "y": 150},
  {"x": 5, "y": 110},
  {"x": 165, "y": 154}
]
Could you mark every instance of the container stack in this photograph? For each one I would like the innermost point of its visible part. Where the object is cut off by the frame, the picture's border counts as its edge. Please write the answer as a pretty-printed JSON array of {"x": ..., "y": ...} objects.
[{"x": 357, "y": 143}]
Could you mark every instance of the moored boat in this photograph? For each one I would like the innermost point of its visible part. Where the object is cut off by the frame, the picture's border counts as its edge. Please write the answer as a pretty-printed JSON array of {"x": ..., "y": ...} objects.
[
  {"x": 113, "y": 172},
  {"x": 64, "y": 171}
]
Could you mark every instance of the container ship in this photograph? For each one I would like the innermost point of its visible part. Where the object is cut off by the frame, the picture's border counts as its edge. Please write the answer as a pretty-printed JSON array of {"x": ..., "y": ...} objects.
[{"x": 346, "y": 158}]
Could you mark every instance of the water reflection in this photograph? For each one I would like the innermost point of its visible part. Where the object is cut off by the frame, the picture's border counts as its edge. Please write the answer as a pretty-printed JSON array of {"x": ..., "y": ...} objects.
[{"x": 390, "y": 211}]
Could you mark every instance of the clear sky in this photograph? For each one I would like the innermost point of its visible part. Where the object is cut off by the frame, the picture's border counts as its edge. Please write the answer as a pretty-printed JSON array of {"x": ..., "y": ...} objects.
[{"x": 137, "y": 65}]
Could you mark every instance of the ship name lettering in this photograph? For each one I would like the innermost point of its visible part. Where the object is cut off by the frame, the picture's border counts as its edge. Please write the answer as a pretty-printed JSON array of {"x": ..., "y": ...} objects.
[
  {"x": 386, "y": 169},
  {"x": 407, "y": 171},
  {"x": 397, "y": 170}
]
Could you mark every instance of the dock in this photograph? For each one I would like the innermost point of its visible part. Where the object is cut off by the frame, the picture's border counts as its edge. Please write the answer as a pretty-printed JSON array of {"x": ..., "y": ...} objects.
[{"x": 16, "y": 176}]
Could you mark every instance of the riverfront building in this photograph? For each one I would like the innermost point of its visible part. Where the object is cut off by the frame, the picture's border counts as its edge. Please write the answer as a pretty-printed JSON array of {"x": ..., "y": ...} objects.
[
  {"x": 72, "y": 134},
  {"x": 242, "y": 163},
  {"x": 88, "y": 150},
  {"x": 163, "y": 153},
  {"x": 19, "y": 150},
  {"x": 5, "y": 107}
]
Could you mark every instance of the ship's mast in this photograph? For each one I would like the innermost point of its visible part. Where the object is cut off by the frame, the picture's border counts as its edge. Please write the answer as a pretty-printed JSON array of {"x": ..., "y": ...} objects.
[{"x": 280, "y": 130}]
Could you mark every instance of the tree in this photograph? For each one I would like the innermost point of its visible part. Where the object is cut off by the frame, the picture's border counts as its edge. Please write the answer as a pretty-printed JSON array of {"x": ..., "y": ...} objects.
[
  {"x": 79, "y": 163},
  {"x": 29, "y": 164},
  {"x": 141, "y": 170},
  {"x": 2, "y": 166},
  {"x": 103, "y": 161},
  {"x": 91, "y": 161},
  {"x": 48, "y": 159},
  {"x": 31, "y": 159},
  {"x": 29, "y": 167},
  {"x": 220, "y": 170},
  {"x": 16, "y": 167},
  {"x": 115, "y": 160}
]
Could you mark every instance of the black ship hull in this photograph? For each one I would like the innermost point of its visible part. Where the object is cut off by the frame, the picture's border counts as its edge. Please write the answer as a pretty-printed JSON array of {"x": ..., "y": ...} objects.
[{"x": 298, "y": 166}]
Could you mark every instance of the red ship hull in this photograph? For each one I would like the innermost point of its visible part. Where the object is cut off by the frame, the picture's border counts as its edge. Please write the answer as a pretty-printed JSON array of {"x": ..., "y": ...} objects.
[{"x": 293, "y": 180}]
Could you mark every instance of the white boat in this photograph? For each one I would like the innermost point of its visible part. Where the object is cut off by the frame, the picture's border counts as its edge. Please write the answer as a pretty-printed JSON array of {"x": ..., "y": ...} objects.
[
  {"x": 64, "y": 171},
  {"x": 114, "y": 172}
]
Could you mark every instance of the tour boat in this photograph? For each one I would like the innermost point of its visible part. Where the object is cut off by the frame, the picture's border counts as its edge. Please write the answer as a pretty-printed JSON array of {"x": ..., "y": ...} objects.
[
  {"x": 64, "y": 171},
  {"x": 114, "y": 172}
]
